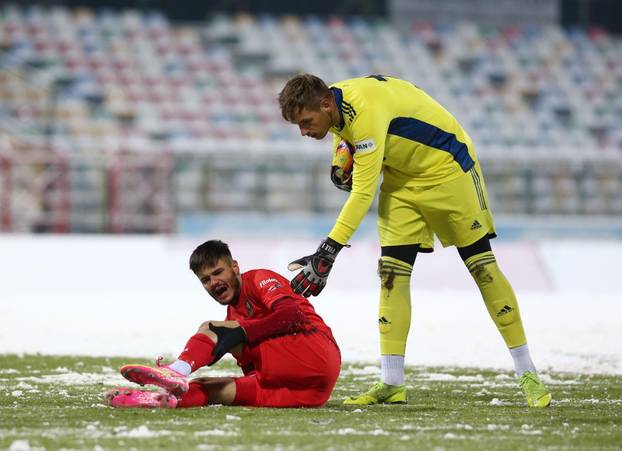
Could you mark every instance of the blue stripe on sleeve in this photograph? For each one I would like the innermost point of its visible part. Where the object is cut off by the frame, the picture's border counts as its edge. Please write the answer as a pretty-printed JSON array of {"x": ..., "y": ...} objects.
[
  {"x": 430, "y": 135},
  {"x": 338, "y": 100}
]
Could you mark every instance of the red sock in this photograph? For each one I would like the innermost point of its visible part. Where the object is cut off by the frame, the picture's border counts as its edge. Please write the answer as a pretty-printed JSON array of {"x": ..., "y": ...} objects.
[
  {"x": 198, "y": 351},
  {"x": 196, "y": 396}
]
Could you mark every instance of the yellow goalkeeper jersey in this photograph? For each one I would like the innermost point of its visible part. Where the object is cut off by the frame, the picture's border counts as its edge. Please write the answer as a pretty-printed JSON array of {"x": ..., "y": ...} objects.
[{"x": 399, "y": 130}]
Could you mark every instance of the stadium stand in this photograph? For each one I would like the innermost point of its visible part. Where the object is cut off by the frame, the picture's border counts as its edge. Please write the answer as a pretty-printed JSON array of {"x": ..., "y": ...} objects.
[{"x": 543, "y": 104}]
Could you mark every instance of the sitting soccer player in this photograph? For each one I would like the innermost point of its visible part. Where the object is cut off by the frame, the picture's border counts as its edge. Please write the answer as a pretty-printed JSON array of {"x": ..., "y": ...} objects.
[{"x": 287, "y": 353}]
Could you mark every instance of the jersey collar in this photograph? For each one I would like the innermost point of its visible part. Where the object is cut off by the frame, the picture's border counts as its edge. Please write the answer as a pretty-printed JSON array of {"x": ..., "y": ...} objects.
[{"x": 338, "y": 93}]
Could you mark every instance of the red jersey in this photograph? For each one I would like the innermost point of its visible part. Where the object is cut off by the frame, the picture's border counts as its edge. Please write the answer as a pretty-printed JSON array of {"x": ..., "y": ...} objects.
[{"x": 261, "y": 288}]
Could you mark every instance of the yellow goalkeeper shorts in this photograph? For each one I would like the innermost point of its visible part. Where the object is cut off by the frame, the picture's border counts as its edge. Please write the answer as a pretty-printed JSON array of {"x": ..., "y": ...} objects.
[{"x": 456, "y": 211}]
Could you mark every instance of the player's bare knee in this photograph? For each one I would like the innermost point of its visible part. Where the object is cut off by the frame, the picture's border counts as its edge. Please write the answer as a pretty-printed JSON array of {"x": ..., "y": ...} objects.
[
  {"x": 204, "y": 327},
  {"x": 205, "y": 330}
]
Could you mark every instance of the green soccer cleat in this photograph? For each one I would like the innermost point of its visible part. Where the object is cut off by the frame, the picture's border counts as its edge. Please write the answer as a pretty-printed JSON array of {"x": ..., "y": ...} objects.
[
  {"x": 380, "y": 393},
  {"x": 536, "y": 393}
]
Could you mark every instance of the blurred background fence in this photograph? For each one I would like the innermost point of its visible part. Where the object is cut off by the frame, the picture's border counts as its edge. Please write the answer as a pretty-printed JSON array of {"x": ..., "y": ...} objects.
[{"x": 126, "y": 120}]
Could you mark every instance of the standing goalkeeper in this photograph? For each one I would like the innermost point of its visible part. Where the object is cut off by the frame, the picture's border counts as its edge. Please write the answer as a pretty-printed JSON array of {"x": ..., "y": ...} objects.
[{"x": 432, "y": 185}]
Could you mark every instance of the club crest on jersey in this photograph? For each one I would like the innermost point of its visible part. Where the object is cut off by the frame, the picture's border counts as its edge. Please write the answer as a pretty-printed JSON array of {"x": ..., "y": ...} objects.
[
  {"x": 367, "y": 145},
  {"x": 249, "y": 309}
]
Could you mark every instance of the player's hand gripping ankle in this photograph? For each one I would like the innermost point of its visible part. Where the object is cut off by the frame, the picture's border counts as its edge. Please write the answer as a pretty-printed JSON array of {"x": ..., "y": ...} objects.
[
  {"x": 311, "y": 280},
  {"x": 228, "y": 338}
]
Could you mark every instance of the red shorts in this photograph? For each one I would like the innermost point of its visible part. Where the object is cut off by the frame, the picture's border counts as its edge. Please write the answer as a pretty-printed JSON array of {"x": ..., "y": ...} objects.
[{"x": 290, "y": 371}]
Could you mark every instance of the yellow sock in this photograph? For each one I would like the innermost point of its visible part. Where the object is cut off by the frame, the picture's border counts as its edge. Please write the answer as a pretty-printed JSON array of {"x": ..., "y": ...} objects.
[
  {"x": 394, "y": 311},
  {"x": 498, "y": 296}
]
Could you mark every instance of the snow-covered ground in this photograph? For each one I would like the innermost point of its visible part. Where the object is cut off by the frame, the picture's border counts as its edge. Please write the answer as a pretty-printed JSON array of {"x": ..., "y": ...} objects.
[{"x": 135, "y": 296}]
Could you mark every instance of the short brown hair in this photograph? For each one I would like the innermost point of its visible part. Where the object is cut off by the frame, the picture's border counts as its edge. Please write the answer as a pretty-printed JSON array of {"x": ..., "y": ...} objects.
[
  {"x": 208, "y": 254},
  {"x": 302, "y": 91}
]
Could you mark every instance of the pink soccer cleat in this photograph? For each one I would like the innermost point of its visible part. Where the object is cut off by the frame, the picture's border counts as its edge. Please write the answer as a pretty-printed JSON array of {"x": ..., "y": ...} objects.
[
  {"x": 161, "y": 376},
  {"x": 129, "y": 397}
]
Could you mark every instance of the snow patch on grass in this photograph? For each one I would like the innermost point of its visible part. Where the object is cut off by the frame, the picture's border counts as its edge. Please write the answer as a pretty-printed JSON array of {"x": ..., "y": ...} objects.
[
  {"x": 452, "y": 436},
  {"x": 352, "y": 431},
  {"x": 587, "y": 401},
  {"x": 498, "y": 427},
  {"x": 215, "y": 432},
  {"x": 70, "y": 378},
  {"x": 527, "y": 429},
  {"x": 357, "y": 371},
  {"x": 504, "y": 377},
  {"x": 23, "y": 445},
  {"x": 498, "y": 402},
  {"x": 549, "y": 380},
  {"x": 139, "y": 432},
  {"x": 444, "y": 377}
]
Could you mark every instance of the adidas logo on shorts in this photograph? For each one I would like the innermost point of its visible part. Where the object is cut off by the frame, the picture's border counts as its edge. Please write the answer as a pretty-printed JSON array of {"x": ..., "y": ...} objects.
[{"x": 476, "y": 225}]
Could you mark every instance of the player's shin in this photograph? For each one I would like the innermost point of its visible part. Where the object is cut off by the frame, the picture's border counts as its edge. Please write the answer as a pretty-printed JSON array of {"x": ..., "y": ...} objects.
[
  {"x": 498, "y": 296},
  {"x": 198, "y": 351},
  {"x": 502, "y": 306},
  {"x": 394, "y": 317}
]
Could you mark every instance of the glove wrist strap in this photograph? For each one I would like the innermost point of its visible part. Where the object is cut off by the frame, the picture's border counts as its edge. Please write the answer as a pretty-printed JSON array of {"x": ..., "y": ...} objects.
[{"x": 329, "y": 248}]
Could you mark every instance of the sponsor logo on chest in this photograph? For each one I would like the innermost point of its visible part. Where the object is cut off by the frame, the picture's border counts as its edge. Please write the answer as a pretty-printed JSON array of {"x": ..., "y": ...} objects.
[{"x": 266, "y": 282}]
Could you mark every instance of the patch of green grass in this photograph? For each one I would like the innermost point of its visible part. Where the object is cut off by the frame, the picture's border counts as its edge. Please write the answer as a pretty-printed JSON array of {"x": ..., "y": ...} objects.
[{"x": 56, "y": 402}]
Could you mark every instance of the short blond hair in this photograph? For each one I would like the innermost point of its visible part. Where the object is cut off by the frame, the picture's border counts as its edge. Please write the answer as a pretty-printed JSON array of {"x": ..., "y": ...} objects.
[{"x": 302, "y": 91}]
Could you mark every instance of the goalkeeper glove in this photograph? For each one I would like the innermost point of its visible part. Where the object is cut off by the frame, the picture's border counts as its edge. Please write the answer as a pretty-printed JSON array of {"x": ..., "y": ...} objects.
[
  {"x": 340, "y": 179},
  {"x": 315, "y": 268},
  {"x": 228, "y": 338},
  {"x": 343, "y": 166}
]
